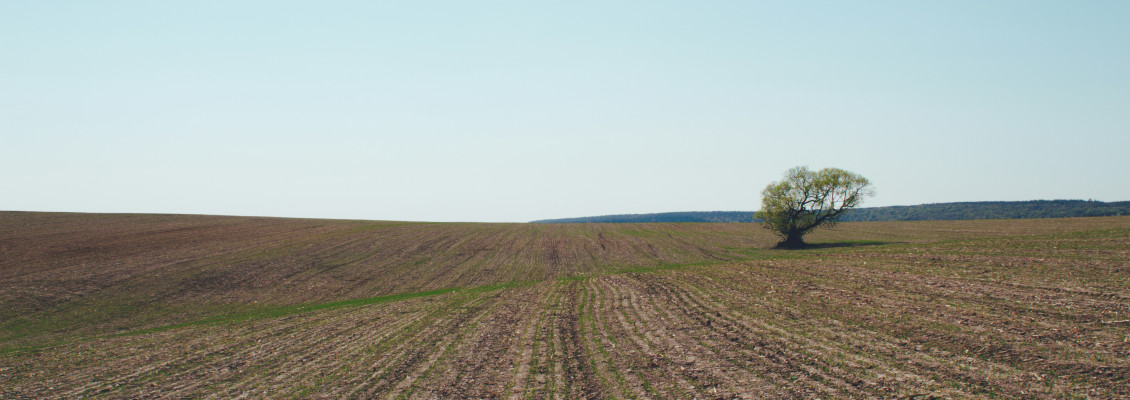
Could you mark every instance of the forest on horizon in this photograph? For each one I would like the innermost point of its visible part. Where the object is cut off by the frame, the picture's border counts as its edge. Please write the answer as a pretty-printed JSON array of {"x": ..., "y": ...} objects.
[{"x": 922, "y": 212}]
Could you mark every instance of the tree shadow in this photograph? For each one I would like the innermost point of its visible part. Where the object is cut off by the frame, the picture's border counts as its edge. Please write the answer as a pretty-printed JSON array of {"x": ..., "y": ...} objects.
[{"x": 833, "y": 245}]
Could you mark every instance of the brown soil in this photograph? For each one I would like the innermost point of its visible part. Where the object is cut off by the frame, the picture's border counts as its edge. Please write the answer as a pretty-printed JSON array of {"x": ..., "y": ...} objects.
[{"x": 151, "y": 306}]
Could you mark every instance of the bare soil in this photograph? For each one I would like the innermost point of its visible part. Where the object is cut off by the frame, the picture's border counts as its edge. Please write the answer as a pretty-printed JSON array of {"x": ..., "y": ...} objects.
[{"x": 165, "y": 306}]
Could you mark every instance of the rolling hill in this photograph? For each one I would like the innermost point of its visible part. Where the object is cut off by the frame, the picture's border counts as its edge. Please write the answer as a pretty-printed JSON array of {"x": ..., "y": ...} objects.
[{"x": 181, "y": 306}]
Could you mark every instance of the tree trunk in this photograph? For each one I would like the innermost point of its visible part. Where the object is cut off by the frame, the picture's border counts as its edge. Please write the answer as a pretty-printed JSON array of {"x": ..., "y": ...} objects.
[{"x": 793, "y": 240}]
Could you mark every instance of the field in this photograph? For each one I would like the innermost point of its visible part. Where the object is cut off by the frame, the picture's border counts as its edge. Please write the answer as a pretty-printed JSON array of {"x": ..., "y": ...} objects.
[{"x": 166, "y": 306}]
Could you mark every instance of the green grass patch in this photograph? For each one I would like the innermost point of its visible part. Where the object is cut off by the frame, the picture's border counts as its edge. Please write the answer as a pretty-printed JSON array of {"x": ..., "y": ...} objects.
[{"x": 268, "y": 312}]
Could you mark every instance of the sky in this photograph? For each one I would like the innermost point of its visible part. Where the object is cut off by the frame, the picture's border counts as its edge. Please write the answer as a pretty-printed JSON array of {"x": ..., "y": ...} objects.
[{"x": 511, "y": 111}]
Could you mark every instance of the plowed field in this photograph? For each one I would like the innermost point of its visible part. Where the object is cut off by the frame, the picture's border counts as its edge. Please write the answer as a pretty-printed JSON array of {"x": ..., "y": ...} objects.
[{"x": 165, "y": 306}]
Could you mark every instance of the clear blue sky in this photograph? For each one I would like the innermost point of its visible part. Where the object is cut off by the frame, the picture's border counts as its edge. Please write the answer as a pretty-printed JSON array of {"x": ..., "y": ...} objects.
[{"x": 514, "y": 111}]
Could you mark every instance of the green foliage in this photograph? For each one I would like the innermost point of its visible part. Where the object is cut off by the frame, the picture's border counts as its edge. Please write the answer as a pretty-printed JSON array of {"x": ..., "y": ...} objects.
[{"x": 806, "y": 200}]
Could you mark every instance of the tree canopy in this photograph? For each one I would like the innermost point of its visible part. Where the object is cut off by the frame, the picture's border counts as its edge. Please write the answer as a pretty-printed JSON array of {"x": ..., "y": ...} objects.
[{"x": 806, "y": 200}]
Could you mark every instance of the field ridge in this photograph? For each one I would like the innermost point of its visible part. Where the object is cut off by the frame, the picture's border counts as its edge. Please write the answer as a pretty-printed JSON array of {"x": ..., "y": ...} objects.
[{"x": 166, "y": 306}]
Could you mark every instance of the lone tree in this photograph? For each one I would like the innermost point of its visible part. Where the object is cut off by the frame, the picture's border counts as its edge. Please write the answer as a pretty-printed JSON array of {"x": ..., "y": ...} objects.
[{"x": 806, "y": 200}]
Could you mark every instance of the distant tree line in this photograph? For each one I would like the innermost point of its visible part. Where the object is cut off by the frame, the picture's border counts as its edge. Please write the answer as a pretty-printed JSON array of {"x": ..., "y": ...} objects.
[{"x": 937, "y": 211}]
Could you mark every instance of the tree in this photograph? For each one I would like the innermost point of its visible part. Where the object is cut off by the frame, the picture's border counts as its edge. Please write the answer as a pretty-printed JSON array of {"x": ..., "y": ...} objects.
[{"x": 806, "y": 200}]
